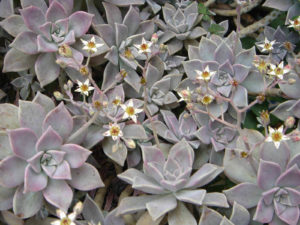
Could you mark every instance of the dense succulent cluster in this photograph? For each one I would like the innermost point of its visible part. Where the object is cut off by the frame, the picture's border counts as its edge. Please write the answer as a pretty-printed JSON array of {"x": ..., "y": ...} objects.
[{"x": 186, "y": 122}]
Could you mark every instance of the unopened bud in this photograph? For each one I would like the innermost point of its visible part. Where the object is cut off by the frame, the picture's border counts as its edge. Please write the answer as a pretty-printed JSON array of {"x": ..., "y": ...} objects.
[
  {"x": 291, "y": 81},
  {"x": 261, "y": 98},
  {"x": 190, "y": 106},
  {"x": 123, "y": 73},
  {"x": 163, "y": 47},
  {"x": 61, "y": 63},
  {"x": 84, "y": 70},
  {"x": 130, "y": 143},
  {"x": 154, "y": 38},
  {"x": 289, "y": 122},
  {"x": 186, "y": 115},
  {"x": 59, "y": 96},
  {"x": 105, "y": 103},
  {"x": 78, "y": 208},
  {"x": 65, "y": 50},
  {"x": 70, "y": 84}
]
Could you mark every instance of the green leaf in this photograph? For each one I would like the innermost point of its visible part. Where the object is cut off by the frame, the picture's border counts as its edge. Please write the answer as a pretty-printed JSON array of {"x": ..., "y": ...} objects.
[
  {"x": 279, "y": 21},
  {"x": 248, "y": 42},
  {"x": 215, "y": 29}
]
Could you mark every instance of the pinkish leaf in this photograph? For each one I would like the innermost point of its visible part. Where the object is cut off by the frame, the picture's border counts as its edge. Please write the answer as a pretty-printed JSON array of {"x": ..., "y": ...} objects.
[
  {"x": 14, "y": 25},
  {"x": 86, "y": 178},
  {"x": 80, "y": 22},
  {"x": 33, "y": 18},
  {"x": 67, "y": 4},
  {"x": 59, "y": 194},
  {"x": 60, "y": 120},
  {"x": 76, "y": 155},
  {"x": 289, "y": 178},
  {"x": 49, "y": 140},
  {"x": 12, "y": 167},
  {"x": 33, "y": 181},
  {"x": 62, "y": 171},
  {"x": 55, "y": 12},
  {"x": 45, "y": 45},
  {"x": 268, "y": 172},
  {"x": 26, "y": 43},
  {"x": 16, "y": 60},
  {"x": 23, "y": 142},
  {"x": 46, "y": 68}
]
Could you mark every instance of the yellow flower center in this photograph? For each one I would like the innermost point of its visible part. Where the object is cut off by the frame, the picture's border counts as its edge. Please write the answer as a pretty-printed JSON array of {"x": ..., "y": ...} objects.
[
  {"x": 91, "y": 44},
  {"x": 116, "y": 101},
  {"x": 84, "y": 88},
  {"x": 143, "y": 81},
  {"x": 278, "y": 71},
  {"x": 244, "y": 154},
  {"x": 205, "y": 74},
  {"x": 130, "y": 110},
  {"x": 296, "y": 22},
  {"x": 276, "y": 136},
  {"x": 65, "y": 221},
  {"x": 144, "y": 47},
  {"x": 84, "y": 70},
  {"x": 268, "y": 46},
  {"x": 206, "y": 100},
  {"x": 128, "y": 54},
  {"x": 97, "y": 105},
  {"x": 288, "y": 45},
  {"x": 123, "y": 73},
  {"x": 114, "y": 131},
  {"x": 234, "y": 83}
]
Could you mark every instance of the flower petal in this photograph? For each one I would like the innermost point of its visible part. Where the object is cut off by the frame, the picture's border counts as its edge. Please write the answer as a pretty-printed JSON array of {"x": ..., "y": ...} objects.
[
  {"x": 23, "y": 142},
  {"x": 12, "y": 167},
  {"x": 86, "y": 178},
  {"x": 59, "y": 194},
  {"x": 76, "y": 155}
]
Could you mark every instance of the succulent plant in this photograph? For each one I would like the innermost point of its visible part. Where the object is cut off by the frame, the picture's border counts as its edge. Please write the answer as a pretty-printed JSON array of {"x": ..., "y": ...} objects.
[
  {"x": 120, "y": 35},
  {"x": 291, "y": 6},
  {"x": 168, "y": 181},
  {"x": 173, "y": 130},
  {"x": 230, "y": 62},
  {"x": 239, "y": 216},
  {"x": 275, "y": 194},
  {"x": 40, "y": 39},
  {"x": 43, "y": 162},
  {"x": 180, "y": 25}
]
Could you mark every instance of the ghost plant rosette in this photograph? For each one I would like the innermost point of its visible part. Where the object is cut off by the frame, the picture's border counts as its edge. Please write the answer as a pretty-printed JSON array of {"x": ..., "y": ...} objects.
[
  {"x": 169, "y": 183},
  {"x": 43, "y": 163},
  {"x": 45, "y": 38}
]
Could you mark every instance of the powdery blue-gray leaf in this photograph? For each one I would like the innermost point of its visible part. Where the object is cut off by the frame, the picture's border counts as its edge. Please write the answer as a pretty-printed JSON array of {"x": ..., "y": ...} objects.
[
  {"x": 130, "y": 205},
  {"x": 13, "y": 25},
  {"x": 181, "y": 215},
  {"x": 215, "y": 199},
  {"x": 159, "y": 207},
  {"x": 9, "y": 116},
  {"x": 115, "y": 150},
  {"x": 191, "y": 196}
]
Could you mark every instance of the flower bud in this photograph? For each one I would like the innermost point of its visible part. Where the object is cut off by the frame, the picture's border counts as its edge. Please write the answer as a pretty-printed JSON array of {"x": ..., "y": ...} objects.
[
  {"x": 289, "y": 122},
  {"x": 130, "y": 143},
  {"x": 190, "y": 106},
  {"x": 65, "y": 51},
  {"x": 70, "y": 84},
  {"x": 78, "y": 208},
  {"x": 291, "y": 81},
  {"x": 59, "y": 96},
  {"x": 154, "y": 38},
  {"x": 61, "y": 63},
  {"x": 163, "y": 47}
]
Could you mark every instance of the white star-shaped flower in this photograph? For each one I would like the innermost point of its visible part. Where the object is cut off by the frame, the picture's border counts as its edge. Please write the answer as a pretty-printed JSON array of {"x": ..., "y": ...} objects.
[
  {"x": 64, "y": 219},
  {"x": 130, "y": 111},
  {"x": 91, "y": 45},
  {"x": 185, "y": 94},
  {"x": 295, "y": 23},
  {"x": 207, "y": 99},
  {"x": 84, "y": 88},
  {"x": 276, "y": 136},
  {"x": 278, "y": 70},
  {"x": 114, "y": 131},
  {"x": 267, "y": 46},
  {"x": 205, "y": 75},
  {"x": 144, "y": 47}
]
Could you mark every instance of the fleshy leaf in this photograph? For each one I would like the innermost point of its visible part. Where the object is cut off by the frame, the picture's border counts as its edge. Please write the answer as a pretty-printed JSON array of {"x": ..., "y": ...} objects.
[
  {"x": 181, "y": 215},
  {"x": 86, "y": 178},
  {"x": 16, "y": 60},
  {"x": 26, "y": 43},
  {"x": 76, "y": 155},
  {"x": 80, "y": 22}
]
